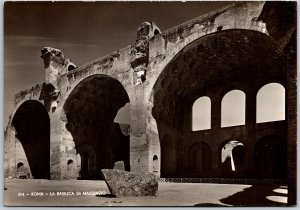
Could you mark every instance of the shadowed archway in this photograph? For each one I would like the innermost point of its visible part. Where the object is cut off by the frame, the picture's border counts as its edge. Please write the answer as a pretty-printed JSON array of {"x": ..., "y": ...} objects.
[
  {"x": 32, "y": 125},
  {"x": 90, "y": 109},
  {"x": 270, "y": 157}
]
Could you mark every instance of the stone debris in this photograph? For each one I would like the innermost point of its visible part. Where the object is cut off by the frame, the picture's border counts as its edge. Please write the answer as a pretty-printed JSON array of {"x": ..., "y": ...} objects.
[
  {"x": 122, "y": 183},
  {"x": 119, "y": 165}
]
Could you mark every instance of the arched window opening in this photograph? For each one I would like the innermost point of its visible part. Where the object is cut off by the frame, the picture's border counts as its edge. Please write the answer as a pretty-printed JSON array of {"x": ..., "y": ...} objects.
[
  {"x": 201, "y": 114},
  {"x": 233, "y": 159},
  {"x": 233, "y": 109},
  {"x": 270, "y": 103},
  {"x": 70, "y": 165},
  {"x": 156, "y": 32},
  {"x": 20, "y": 167},
  {"x": 22, "y": 171},
  {"x": 155, "y": 163},
  {"x": 71, "y": 67}
]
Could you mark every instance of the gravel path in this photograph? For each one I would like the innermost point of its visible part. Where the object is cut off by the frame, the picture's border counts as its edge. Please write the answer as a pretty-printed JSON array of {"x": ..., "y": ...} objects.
[{"x": 91, "y": 193}]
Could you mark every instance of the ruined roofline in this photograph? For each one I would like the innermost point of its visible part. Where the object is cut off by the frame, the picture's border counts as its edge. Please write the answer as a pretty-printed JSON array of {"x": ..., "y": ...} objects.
[
  {"x": 91, "y": 63},
  {"x": 166, "y": 33},
  {"x": 20, "y": 95},
  {"x": 200, "y": 18}
]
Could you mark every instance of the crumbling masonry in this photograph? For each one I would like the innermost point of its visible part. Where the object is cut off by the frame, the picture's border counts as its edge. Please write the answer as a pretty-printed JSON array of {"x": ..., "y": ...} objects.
[{"x": 66, "y": 128}]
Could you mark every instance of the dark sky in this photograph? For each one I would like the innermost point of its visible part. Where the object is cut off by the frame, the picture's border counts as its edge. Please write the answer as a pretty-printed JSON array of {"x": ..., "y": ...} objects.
[{"x": 84, "y": 31}]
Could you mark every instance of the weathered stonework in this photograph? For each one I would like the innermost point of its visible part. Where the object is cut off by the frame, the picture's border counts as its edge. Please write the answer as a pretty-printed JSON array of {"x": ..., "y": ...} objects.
[
  {"x": 243, "y": 46},
  {"x": 123, "y": 183}
]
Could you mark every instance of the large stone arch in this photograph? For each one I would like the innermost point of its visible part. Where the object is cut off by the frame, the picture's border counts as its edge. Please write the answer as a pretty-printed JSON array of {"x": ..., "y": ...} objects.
[
  {"x": 242, "y": 57},
  {"x": 163, "y": 53},
  {"x": 212, "y": 65},
  {"x": 12, "y": 146},
  {"x": 30, "y": 135},
  {"x": 88, "y": 114},
  {"x": 214, "y": 61}
]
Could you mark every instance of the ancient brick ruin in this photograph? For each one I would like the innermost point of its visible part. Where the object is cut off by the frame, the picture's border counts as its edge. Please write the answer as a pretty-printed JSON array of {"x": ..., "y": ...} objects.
[{"x": 66, "y": 128}]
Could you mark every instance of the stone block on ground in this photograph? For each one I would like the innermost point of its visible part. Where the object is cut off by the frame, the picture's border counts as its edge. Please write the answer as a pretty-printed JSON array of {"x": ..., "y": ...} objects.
[
  {"x": 119, "y": 165},
  {"x": 123, "y": 183}
]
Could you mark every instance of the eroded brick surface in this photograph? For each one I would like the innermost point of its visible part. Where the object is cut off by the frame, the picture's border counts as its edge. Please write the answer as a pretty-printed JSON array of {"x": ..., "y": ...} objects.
[{"x": 243, "y": 46}]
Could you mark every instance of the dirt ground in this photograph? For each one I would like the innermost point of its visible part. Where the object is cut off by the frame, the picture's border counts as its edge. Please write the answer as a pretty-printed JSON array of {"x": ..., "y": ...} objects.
[{"x": 95, "y": 193}]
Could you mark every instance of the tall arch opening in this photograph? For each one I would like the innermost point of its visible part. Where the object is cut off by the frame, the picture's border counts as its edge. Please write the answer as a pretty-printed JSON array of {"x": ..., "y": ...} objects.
[
  {"x": 155, "y": 164},
  {"x": 71, "y": 67},
  {"x": 270, "y": 157},
  {"x": 233, "y": 108},
  {"x": 70, "y": 165},
  {"x": 91, "y": 109},
  {"x": 270, "y": 103},
  {"x": 201, "y": 114},
  {"x": 232, "y": 159},
  {"x": 32, "y": 125},
  {"x": 20, "y": 167}
]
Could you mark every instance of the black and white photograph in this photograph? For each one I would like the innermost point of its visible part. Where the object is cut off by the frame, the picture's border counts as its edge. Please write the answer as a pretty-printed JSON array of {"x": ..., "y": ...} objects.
[{"x": 114, "y": 103}]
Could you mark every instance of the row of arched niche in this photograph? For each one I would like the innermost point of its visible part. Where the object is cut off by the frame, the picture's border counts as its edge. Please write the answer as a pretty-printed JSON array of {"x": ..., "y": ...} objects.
[
  {"x": 233, "y": 156},
  {"x": 270, "y": 106},
  {"x": 269, "y": 155}
]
